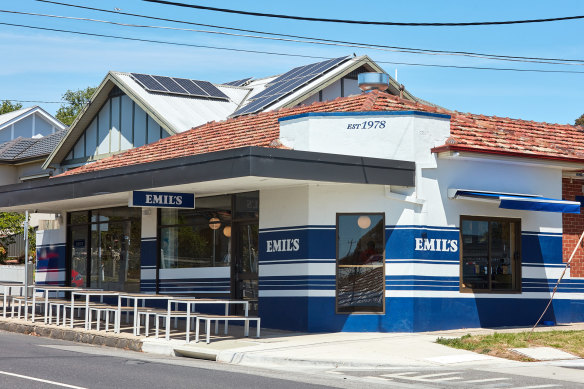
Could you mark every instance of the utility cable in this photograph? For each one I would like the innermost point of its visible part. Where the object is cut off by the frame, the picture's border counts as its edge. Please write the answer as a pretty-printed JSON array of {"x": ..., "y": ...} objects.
[
  {"x": 278, "y": 53},
  {"x": 368, "y": 45},
  {"x": 284, "y": 39},
  {"x": 305, "y": 18},
  {"x": 33, "y": 101}
]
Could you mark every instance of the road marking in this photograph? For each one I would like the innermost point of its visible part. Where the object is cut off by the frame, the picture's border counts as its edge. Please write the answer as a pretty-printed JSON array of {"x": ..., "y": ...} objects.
[
  {"x": 41, "y": 380},
  {"x": 485, "y": 380},
  {"x": 377, "y": 379},
  {"x": 399, "y": 375},
  {"x": 436, "y": 375},
  {"x": 537, "y": 386}
]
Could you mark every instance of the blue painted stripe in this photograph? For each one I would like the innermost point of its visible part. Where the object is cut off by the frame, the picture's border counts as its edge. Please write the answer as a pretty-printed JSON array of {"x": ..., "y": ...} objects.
[
  {"x": 148, "y": 253},
  {"x": 365, "y": 113}
]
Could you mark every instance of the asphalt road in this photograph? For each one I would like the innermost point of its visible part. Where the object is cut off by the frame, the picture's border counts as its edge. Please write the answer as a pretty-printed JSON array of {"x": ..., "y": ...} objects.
[{"x": 34, "y": 362}]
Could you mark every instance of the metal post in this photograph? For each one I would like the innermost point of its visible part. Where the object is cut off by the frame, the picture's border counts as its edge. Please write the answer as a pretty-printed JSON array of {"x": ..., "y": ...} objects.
[{"x": 26, "y": 265}]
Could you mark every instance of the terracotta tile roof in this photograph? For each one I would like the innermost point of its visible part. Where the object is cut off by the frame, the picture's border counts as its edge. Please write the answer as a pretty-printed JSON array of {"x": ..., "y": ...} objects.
[{"x": 469, "y": 132}]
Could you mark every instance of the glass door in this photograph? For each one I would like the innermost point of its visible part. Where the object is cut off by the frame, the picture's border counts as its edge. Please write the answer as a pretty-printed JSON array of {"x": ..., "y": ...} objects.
[
  {"x": 78, "y": 249},
  {"x": 112, "y": 263},
  {"x": 245, "y": 262}
]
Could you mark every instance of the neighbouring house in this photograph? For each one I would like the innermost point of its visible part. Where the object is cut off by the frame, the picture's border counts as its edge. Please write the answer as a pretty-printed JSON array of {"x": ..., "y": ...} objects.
[
  {"x": 32, "y": 122},
  {"x": 27, "y": 137}
]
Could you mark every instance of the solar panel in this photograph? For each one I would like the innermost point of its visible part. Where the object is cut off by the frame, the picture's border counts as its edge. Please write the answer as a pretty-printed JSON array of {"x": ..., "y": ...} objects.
[
  {"x": 190, "y": 87},
  {"x": 287, "y": 83},
  {"x": 170, "y": 84},
  {"x": 148, "y": 82},
  {"x": 238, "y": 82},
  {"x": 179, "y": 86},
  {"x": 211, "y": 89}
]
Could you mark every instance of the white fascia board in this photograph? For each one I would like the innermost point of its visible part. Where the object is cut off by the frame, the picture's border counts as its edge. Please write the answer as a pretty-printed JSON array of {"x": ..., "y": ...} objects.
[{"x": 510, "y": 160}]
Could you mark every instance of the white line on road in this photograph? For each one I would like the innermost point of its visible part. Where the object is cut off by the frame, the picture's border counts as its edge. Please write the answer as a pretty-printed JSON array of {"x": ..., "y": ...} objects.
[
  {"x": 377, "y": 379},
  {"x": 536, "y": 386},
  {"x": 436, "y": 375},
  {"x": 41, "y": 380},
  {"x": 485, "y": 380},
  {"x": 399, "y": 375}
]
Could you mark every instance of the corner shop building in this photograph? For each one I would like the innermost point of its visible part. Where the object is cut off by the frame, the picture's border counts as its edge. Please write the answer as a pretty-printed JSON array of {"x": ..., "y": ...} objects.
[{"x": 365, "y": 213}]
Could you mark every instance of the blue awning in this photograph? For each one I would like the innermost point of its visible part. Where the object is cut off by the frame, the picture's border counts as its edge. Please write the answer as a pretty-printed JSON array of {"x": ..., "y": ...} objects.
[{"x": 521, "y": 201}]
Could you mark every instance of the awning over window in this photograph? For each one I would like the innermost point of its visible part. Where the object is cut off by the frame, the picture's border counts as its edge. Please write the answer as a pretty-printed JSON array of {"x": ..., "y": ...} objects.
[{"x": 518, "y": 201}]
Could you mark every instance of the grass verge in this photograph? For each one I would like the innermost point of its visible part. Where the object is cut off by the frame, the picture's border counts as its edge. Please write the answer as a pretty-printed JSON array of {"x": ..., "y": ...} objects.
[{"x": 498, "y": 344}]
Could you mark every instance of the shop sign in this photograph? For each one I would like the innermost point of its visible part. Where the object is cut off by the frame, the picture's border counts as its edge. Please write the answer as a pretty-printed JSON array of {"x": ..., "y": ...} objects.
[
  {"x": 162, "y": 199},
  {"x": 445, "y": 245},
  {"x": 282, "y": 245}
]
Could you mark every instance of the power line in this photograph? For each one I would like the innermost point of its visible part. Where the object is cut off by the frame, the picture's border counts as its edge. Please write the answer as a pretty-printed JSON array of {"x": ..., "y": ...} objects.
[
  {"x": 279, "y": 16},
  {"x": 278, "y": 53},
  {"x": 368, "y": 45},
  {"x": 34, "y": 101},
  {"x": 410, "y": 51},
  {"x": 163, "y": 42}
]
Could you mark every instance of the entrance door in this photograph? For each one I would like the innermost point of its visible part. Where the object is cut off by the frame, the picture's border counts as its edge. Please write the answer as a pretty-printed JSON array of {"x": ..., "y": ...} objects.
[
  {"x": 78, "y": 244},
  {"x": 245, "y": 262},
  {"x": 111, "y": 262}
]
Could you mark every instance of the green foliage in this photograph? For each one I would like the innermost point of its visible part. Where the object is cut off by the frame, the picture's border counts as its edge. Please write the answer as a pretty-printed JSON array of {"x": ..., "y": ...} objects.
[
  {"x": 11, "y": 225},
  {"x": 580, "y": 121},
  {"x": 9, "y": 106},
  {"x": 76, "y": 100}
]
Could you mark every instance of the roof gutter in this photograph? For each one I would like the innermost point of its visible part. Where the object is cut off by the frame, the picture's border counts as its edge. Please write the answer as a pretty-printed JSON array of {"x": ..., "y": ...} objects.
[{"x": 454, "y": 148}]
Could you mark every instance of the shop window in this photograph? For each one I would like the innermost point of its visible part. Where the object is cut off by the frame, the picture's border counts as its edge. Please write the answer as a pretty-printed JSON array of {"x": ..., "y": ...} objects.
[
  {"x": 198, "y": 237},
  {"x": 360, "y": 283},
  {"x": 104, "y": 248},
  {"x": 490, "y": 254}
]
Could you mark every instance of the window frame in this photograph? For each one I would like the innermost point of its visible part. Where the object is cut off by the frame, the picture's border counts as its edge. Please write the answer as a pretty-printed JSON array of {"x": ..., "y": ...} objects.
[
  {"x": 517, "y": 265},
  {"x": 338, "y": 215}
]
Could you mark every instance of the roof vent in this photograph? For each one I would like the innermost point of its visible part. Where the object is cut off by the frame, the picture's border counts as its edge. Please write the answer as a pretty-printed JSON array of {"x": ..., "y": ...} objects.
[{"x": 371, "y": 81}]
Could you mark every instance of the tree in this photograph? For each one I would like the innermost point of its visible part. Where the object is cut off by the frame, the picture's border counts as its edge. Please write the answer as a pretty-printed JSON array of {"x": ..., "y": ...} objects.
[
  {"x": 76, "y": 100},
  {"x": 9, "y": 106},
  {"x": 11, "y": 226},
  {"x": 580, "y": 121}
]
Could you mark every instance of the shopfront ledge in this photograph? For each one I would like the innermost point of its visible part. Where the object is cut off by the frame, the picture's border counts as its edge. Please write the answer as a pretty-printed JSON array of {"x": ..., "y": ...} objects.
[{"x": 101, "y": 338}]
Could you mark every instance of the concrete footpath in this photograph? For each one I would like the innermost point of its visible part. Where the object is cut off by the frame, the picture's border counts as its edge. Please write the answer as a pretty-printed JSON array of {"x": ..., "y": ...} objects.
[{"x": 333, "y": 350}]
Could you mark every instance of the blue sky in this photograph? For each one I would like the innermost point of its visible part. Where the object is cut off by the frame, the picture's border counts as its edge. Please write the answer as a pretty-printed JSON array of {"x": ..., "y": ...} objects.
[{"x": 42, "y": 65}]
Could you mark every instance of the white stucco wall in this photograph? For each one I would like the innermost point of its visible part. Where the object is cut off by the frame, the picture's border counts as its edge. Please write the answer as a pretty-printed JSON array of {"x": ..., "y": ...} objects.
[{"x": 402, "y": 136}]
